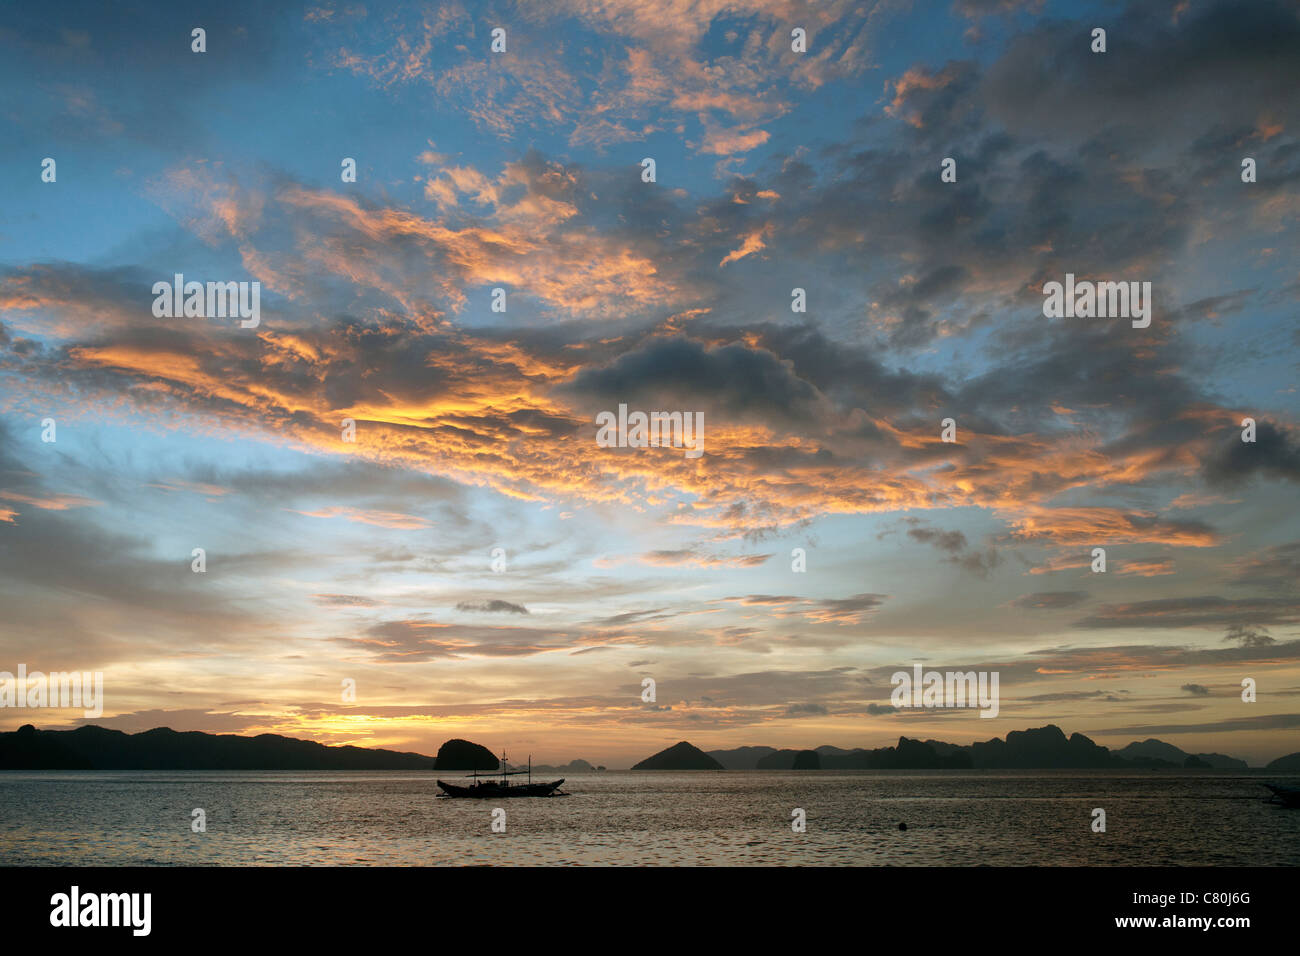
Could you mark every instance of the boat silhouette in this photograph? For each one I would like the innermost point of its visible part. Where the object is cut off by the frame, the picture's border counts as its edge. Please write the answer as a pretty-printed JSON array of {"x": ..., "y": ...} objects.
[
  {"x": 491, "y": 788},
  {"x": 1286, "y": 796}
]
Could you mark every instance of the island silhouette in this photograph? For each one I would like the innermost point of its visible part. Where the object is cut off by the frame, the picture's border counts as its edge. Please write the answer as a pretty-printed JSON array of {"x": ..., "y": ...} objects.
[
  {"x": 1041, "y": 748},
  {"x": 680, "y": 756}
]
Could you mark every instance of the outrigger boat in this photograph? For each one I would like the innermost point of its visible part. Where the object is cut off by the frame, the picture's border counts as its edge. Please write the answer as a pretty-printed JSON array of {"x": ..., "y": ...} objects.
[
  {"x": 493, "y": 789},
  {"x": 1287, "y": 796}
]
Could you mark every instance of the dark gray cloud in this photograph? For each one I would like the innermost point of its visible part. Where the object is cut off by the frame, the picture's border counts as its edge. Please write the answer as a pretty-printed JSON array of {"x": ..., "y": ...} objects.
[
  {"x": 1220, "y": 56},
  {"x": 494, "y": 606},
  {"x": 951, "y": 541},
  {"x": 1200, "y": 611},
  {"x": 1230, "y": 725},
  {"x": 344, "y": 600},
  {"x": 418, "y": 640},
  {"x": 1249, "y": 635},
  {"x": 739, "y": 381},
  {"x": 955, "y": 545},
  {"x": 1274, "y": 454},
  {"x": 806, "y": 710},
  {"x": 1276, "y": 568}
]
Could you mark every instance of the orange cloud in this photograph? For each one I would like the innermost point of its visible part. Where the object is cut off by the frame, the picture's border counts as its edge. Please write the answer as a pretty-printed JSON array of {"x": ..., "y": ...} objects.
[
  {"x": 380, "y": 519},
  {"x": 1087, "y": 526},
  {"x": 49, "y": 502}
]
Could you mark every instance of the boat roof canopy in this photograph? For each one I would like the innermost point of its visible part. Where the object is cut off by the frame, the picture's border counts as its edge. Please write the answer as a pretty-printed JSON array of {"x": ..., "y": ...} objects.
[{"x": 495, "y": 773}]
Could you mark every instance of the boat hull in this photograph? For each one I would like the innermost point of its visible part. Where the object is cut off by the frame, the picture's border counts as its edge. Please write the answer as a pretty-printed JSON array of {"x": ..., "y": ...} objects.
[
  {"x": 1287, "y": 796},
  {"x": 492, "y": 791}
]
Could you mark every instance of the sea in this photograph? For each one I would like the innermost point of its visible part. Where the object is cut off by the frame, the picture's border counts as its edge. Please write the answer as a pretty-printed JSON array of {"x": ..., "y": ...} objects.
[{"x": 732, "y": 818}]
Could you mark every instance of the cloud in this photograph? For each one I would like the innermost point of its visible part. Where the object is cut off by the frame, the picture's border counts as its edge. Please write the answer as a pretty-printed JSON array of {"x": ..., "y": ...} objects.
[
  {"x": 1201, "y": 611},
  {"x": 1249, "y": 635},
  {"x": 49, "y": 502},
  {"x": 1091, "y": 526},
  {"x": 653, "y": 62},
  {"x": 1274, "y": 568},
  {"x": 1112, "y": 697},
  {"x": 1253, "y": 724},
  {"x": 1275, "y": 453},
  {"x": 693, "y": 557},
  {"x": 732, "y": 379},
  {"x": 1050, "y": 600},
  {"x": 951, "y": 541},
  {"x": 806, "y": 710},
  {"x": 344, "y": 600},
  {"x": 182, "y": 721},
  {"x": 494, "y": 606},
  {"x": 955, "y": 544},
  {"x": 842, "y": 611},
  {"x": 380, "y": 519},
  {"x": 1145, "y": 567},
  {"x": 1221, "y": 56},
  {"x": 413, "y": 641}
]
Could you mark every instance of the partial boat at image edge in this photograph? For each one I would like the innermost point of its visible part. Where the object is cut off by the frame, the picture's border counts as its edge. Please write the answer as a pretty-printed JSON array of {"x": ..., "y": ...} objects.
[{"x": 1286, "y": 796}]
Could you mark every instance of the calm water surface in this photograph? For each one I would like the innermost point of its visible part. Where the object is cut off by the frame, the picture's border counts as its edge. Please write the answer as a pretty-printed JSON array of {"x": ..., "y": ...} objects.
[{"x": 733, "y": 818}]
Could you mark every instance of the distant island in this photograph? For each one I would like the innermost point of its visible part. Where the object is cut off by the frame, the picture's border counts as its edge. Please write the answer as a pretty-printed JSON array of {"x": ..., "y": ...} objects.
[
  {"x": 1291, "y": 762},
  {"x": 96, "y": 748},
  {"x": 460, "y": 754},
  {"x": 680, "y": 756},
  {"x": 1159, "y": 750},
  {"x": 99, "y": 748},
  {"x": 1041, "y": 748},
  {"x": 572, "y": 767}
]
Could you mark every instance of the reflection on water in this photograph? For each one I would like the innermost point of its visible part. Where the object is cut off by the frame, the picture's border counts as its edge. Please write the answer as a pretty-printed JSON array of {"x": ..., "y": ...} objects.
[{"x": 734, "y": 818}]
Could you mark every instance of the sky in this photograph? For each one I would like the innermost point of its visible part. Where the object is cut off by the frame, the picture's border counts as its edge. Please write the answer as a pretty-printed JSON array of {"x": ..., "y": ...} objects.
[{"x": 473, "y": 561}]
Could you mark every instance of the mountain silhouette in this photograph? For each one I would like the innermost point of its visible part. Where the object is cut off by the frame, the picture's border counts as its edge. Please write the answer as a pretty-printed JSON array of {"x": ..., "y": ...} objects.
[
  {"x": 1162, "y": 753},
  {"x": 1289, "y": 762},
  {"x": 573, "y": 766},
  {"x": 97, "y": 748},
  {"x": 680, "y": 756},
  {"x": 1040, "y": 747},
  {"x": 807, "y": 760},
  {"x": 777, "y": 760},
  {"x": 741, "y": 758},
  {"x": 1037, "y": 748}
]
